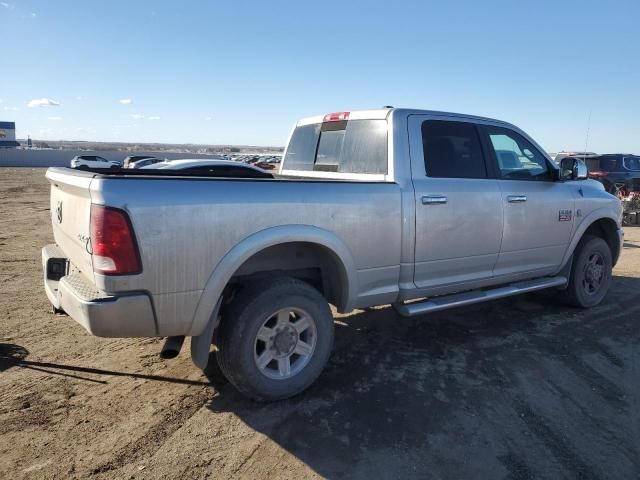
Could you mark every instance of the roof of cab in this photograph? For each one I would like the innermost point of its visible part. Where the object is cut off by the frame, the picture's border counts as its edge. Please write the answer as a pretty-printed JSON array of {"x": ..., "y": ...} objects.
[{"x": 383, "y": 113}]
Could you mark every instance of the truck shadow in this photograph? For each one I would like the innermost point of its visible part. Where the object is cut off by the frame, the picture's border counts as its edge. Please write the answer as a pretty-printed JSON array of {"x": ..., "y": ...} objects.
[
  {"x": 12, "y": 355},
  {"x": 483, "y": 391}
]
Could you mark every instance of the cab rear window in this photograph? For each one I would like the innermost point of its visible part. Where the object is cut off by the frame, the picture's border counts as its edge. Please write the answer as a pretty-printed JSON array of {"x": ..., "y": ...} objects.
[{"x": 347, "y": 146}]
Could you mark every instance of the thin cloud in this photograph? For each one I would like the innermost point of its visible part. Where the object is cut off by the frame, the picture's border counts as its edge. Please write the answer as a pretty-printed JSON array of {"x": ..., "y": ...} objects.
[
  {"x": 125, "y": 101},
  {"x": 42, "y": 102},
  {"x": 10, "y": 109},
  {"x": 207, "y": 119},
  {"x": 55, "y": 119},
  {"x": 5, "y": 4},
  {"x": 139, "y": 116}
]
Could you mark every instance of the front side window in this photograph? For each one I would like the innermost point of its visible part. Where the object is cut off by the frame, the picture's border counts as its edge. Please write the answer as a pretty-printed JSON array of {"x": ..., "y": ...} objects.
[
  {"x": 517, "y": 158},
  {"x": 452, "y": 150}
]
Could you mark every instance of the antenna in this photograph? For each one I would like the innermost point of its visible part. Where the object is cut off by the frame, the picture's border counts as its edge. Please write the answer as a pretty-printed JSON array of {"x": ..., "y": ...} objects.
[{"x": 586, "y": 140}]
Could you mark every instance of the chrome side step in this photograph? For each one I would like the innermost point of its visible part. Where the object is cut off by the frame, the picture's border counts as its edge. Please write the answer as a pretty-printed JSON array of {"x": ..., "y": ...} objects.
[{"x": 467, "y": 298}]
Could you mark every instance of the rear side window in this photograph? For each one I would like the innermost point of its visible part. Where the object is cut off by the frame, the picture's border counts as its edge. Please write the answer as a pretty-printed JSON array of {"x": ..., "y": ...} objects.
[
  {"x": 593, "y": 164},
  {"x": 353, "y": 146},
  {"x": 452, "y": 150}
]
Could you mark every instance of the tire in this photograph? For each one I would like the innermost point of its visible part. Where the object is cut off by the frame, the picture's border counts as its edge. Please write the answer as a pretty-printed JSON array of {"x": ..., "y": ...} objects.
[
  {"x": 584, "y": 289},
  {"x": 260, "y": 335}
]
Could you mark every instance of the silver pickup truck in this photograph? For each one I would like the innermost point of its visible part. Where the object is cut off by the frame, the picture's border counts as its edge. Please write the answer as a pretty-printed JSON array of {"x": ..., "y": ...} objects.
[{"x": 418, "y": 209}]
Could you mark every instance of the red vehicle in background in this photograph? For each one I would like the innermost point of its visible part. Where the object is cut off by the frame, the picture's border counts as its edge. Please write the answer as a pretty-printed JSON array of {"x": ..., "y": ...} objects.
[
  {"x": 265, "y": 163},
  {"x": 618, "y": 172}
]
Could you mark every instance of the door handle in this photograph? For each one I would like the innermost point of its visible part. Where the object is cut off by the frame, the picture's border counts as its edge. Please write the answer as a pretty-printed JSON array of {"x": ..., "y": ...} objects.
[
  {"x": 434, "y": 199},
  {"x": 516, "y": 198}
]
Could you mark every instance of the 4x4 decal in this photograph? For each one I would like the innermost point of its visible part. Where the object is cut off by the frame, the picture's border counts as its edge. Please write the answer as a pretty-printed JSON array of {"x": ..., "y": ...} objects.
[{"x": 564, "y": 216}]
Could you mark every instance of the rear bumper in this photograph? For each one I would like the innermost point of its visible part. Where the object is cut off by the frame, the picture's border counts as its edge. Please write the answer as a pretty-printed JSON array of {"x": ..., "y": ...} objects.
[{"x": 101, "y": 314}]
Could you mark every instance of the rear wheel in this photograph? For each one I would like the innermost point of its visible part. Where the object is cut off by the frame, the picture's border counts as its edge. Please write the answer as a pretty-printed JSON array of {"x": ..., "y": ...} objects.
[
  {"x": 275, "y": 339},
  {"x": 590, "y": 273}
]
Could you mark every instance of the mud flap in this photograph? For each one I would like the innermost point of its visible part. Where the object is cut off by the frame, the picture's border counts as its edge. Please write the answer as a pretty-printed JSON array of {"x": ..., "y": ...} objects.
[
  {"x": 566, "y": 272},
  {"x": 201, "y": 345}
]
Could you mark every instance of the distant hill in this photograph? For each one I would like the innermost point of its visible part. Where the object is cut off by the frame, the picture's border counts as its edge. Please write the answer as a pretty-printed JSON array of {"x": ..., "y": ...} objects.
[{"x": 150, "y": 147}]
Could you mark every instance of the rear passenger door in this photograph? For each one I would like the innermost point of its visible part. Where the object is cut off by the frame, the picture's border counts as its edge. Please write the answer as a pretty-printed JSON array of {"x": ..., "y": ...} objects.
[
  {"x": 458, "y": 205},
  {"x": 538, "y": 210}
]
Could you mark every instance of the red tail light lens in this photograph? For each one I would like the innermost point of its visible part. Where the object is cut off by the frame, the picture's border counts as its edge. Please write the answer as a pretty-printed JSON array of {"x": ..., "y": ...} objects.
[
  {"x": 114, "y": 248},
  {"x": 336, "y": 117}
]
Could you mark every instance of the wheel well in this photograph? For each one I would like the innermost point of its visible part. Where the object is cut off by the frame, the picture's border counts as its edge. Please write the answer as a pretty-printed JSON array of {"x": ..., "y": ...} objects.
[
  {"x": 606, "y": 229},
  {"x": 309, "y": 262}
]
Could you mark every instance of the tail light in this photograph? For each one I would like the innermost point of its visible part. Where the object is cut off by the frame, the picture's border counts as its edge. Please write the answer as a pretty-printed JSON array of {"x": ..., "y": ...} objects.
[
  {"x": 114, "y": 248},
  {"x": 336, "y": 117},
  {"x": 598, "y": 174}
]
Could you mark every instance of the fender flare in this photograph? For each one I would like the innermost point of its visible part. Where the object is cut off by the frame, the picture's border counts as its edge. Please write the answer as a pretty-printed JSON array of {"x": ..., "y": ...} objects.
[
  {"x": 254, "y": 243},
  {"x": 598, "y": 214}
]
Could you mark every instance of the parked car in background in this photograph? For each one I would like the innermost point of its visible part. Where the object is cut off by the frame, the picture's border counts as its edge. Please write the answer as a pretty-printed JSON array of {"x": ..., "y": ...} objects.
[
  {"x": 560, "y": 155},
  {"x": 369, "y": 208},
  {"x": 208, "y": 166},
  {"x": 134, "y": 158},
  {"x": 85, "y": 162},
  {"x": 144, "y": 162},
  {"x": 265, "y": 165},
  {"x": 618, "y": 172}
]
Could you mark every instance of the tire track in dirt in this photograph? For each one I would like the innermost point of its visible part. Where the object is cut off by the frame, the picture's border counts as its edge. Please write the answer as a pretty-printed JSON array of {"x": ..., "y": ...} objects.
[
  {"x": 558, "y": 446},
  {"x": 159, "y": 433}
]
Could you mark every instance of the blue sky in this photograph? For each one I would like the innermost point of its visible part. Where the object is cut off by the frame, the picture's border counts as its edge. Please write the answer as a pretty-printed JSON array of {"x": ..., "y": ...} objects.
[{"x": 242, "y": 72}]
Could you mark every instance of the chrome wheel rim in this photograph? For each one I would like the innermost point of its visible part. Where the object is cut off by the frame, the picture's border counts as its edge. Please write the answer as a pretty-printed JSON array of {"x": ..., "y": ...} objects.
[
  {"x": 593, "y": 274},
  {"x": 285, "y": 343}
]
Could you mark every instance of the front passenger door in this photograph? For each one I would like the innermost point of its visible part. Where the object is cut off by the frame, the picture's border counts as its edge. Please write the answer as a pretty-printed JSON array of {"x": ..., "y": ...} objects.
[{"x": 538, "y": 210}]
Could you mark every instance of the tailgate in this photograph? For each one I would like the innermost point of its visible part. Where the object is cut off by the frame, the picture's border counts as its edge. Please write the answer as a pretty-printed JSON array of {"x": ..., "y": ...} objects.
[{"x": 70, "y": 216}]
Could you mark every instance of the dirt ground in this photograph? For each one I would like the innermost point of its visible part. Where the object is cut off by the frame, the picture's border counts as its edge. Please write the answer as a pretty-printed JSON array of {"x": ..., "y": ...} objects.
[{"x": 519, "y": 388}]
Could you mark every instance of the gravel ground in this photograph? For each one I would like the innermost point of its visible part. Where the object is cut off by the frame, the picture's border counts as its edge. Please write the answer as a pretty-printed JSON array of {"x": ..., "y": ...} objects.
[{"x": 517, "y": 388}]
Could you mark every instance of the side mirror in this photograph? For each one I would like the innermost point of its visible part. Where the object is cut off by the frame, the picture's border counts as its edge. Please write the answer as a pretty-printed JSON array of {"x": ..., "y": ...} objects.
[{"x": 573, "y": 169}]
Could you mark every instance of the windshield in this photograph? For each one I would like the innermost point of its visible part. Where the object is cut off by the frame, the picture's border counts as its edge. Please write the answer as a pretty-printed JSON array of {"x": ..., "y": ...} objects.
[
  {"x": 353, "y": 146},
  {"x": 631, "y": 163}
]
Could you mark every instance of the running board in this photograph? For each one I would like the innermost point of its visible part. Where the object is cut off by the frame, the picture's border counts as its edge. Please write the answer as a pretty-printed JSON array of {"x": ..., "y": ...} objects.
[{"x": 477, "y": 296}]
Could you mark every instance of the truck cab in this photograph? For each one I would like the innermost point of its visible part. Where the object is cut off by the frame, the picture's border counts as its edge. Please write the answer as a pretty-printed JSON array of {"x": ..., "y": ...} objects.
[{"x": 458, "y": 174}]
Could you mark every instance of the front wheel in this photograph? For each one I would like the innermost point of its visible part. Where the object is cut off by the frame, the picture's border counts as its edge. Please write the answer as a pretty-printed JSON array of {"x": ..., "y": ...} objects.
[
  {"x": 590, "y": 273},
  {"x": 275, "y": 339}
]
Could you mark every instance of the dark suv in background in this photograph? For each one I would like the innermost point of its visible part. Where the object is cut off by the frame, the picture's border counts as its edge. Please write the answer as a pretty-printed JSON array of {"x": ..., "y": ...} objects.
[{"x": 618, "y": 172}]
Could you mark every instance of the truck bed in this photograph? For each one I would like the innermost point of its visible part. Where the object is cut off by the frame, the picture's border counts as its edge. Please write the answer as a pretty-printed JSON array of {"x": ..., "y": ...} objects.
[{"x": 186, "y": 226}]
